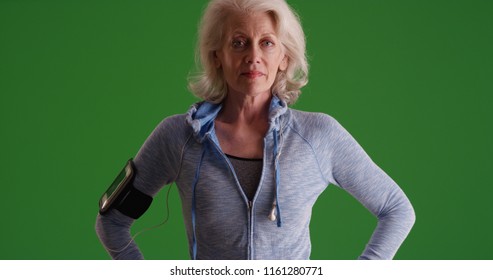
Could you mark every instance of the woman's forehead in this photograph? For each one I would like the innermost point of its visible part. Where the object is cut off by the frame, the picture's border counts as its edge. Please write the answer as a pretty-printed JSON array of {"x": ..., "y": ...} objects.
[{"x": 250, "y": 24}]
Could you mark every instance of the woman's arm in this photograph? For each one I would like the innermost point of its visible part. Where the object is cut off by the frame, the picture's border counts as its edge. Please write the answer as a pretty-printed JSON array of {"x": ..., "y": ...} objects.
[
  {"x": 352, "y": 169},
  {"x": 156, "y": 164},
  {"x": 113, "y": 230}
]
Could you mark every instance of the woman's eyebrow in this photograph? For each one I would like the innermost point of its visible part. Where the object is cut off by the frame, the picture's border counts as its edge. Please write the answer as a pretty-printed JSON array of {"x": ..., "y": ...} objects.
[{"x": 241, "y": 33}]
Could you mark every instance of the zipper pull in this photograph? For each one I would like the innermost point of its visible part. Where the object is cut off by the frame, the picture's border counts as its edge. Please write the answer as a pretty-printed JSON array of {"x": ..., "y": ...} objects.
[{"x": 249, "y": 204}]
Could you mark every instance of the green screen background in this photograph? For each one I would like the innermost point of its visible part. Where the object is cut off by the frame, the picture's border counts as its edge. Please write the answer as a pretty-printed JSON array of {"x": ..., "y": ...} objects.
[{"x": 83, "y": 83}]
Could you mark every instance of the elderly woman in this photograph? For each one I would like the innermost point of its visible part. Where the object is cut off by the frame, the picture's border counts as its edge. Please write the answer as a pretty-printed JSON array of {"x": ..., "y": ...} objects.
[{"x": 248, "y": 168}]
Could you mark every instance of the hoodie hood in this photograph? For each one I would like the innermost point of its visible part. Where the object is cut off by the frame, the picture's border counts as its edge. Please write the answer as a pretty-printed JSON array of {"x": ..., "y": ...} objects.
[{"x": 201, "y": 117}]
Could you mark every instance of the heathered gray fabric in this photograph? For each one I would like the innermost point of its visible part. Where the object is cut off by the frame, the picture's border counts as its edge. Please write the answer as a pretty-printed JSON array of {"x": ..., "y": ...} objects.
[
  {"x": 248, "y": 172},
  {"x": 315, "y": 151}
]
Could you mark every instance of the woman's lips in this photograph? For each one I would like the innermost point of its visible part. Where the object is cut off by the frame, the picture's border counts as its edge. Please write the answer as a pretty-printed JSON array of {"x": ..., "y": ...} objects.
[{"x": 252, "y": 74}]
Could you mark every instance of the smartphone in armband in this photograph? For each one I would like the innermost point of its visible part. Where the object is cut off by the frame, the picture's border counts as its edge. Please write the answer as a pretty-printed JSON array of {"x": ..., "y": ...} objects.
[
  {"x": 117, "y": 190},
  {"x": 123, "y": 196}
]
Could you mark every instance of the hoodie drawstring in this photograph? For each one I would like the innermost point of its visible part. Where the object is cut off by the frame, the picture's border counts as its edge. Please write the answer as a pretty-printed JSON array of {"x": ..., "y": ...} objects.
[
  {"x": 278, "y": 176},
  {"x": 195, "y": 181}
]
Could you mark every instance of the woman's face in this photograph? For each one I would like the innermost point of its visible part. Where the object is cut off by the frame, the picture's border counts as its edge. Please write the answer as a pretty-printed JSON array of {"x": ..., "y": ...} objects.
[{"x": 251, "y": 54}]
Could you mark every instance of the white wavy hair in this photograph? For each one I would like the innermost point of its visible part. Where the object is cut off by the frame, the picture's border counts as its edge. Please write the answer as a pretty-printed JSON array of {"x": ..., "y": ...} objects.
[{"x": 208, "y": 82}]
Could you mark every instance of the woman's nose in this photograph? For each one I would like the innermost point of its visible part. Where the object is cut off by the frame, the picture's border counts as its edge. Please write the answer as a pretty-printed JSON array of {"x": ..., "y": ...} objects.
[{"x": 253, "y": 55}]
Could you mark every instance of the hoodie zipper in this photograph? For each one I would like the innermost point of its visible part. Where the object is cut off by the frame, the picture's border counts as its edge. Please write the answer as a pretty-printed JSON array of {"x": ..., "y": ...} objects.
[
  {"x": 249, "y": 203},
  {"x": 250, "y": 229}
]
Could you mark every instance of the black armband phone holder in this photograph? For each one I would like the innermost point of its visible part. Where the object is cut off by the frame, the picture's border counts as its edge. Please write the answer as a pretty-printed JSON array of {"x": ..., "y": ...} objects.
[{"x": 123, "y": 196}]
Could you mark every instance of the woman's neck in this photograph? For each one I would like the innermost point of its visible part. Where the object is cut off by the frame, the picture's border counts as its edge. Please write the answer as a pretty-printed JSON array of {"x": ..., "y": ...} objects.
[
  {"x": 245, "y": 109},
  {"x": 241, "y": 125}
]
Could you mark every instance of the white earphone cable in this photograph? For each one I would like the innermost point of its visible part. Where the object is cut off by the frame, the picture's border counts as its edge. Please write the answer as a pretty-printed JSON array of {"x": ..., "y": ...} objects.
[{"x": 149, "y": 228}]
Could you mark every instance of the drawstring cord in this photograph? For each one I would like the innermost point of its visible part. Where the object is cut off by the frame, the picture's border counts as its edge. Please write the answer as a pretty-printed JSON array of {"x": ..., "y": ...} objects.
[
  {"x": 277, "y": 153},
  {"x": 194, "y": 186}
]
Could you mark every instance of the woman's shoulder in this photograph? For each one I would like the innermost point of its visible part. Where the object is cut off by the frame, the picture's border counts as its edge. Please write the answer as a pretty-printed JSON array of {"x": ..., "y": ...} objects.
[
  {"x": 177, "y": 121},
  {"x": 174, "y": 127},
  {"x": 304, "y": 120},
  {"x": 317, "y": 127},
  {"x": 174, "y": 120},
  {"x": 320, "y": 130}
]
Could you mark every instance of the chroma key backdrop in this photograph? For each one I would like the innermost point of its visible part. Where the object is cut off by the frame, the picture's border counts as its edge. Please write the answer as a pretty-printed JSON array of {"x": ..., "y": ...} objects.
[{"x": 83, "y": 83}]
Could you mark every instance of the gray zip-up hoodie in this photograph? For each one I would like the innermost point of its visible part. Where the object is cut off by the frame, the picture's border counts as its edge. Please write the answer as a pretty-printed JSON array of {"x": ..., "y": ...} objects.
[{"x": 303, "y": 153}]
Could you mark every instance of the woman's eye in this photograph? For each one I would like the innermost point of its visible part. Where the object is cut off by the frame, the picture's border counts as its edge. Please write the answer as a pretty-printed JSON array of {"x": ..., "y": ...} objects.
[
  {"x": 268, "y": 43},
  {"x": 238, "y": 44}
]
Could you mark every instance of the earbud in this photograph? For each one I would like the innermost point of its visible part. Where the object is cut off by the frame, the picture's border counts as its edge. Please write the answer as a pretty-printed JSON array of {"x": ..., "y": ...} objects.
[{"x": 272, "y": 215}]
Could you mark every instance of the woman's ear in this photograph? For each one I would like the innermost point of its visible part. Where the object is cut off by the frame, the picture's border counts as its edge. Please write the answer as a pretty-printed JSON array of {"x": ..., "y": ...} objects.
[{"x": 284, "y": 63}]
